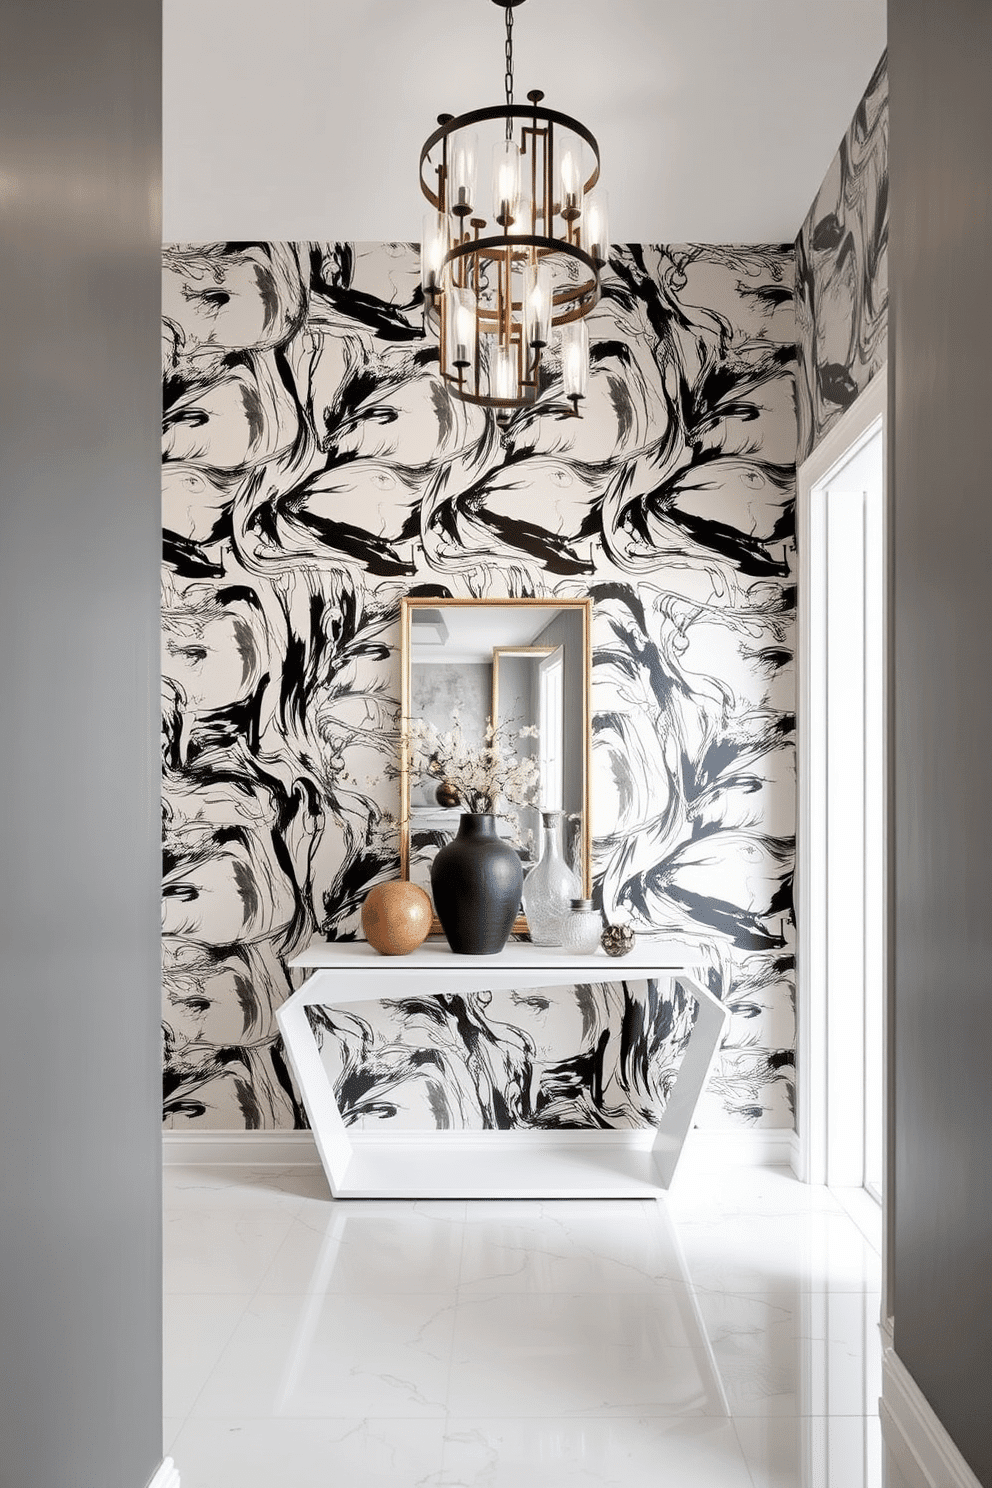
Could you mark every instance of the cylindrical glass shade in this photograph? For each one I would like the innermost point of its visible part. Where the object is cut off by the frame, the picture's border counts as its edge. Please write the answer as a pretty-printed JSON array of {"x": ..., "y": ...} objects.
[
  {"x": 505, "y": 372},
  {"x": 570, "y": 176},
  {"x": 596, "y": 225},
  {"x": 537, "y": 304},
  {"x": 524, "y": 220},
  {"x": 575, "y": 358},
  {"x": 506, "y": 182},
  {"x": 461, "y": 327},
  {"x": 462, "y": 176},
  {"x": 433, "y": 247}
]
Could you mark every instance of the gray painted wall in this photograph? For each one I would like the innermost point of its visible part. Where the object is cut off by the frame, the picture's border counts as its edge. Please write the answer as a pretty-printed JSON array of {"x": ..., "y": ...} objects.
[
  {"x": 941, "y": 318},
  {"x": 80, "y": 1205},
  {"x": 566, "y": 631}
]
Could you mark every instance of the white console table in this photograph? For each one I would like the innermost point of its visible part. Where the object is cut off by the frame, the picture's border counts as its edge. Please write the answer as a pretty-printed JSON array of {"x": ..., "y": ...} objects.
[{"x": 561, "y": 1165}]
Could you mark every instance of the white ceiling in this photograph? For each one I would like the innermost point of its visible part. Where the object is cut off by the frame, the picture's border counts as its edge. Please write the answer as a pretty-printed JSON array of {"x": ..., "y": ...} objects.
[
  {"x": 716, "y": 119},
  {"x": 473, "y": 631}
]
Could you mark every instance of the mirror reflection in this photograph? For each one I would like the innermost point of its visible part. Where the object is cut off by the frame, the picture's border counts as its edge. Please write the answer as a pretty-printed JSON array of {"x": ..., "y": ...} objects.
[{"x": 518, "y": 669}]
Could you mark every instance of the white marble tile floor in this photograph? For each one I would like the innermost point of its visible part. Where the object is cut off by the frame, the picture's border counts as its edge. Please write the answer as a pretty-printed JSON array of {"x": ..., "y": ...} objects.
[{"x": 725, "y": 1337}]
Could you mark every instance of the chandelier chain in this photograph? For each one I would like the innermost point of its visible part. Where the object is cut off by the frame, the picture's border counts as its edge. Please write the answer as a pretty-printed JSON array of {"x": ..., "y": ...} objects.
[{"x": 508, "y": 76}]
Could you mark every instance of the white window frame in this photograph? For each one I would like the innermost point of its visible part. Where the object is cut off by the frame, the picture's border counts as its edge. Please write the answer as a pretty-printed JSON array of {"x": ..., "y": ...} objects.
[{"x": 821, "y": 1070}]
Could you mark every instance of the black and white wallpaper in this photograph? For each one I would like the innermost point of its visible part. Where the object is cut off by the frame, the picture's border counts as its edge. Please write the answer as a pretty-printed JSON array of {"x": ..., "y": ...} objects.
[
  {"x": 600, "y": 1054},
  {"x": 842, "y": 287},
  {"x": 315, "y": 471}
]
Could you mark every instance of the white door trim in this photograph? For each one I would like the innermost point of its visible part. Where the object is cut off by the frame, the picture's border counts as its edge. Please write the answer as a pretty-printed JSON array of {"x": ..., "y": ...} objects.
[
  {"x": 923, "y": 1450},
  {"x": 167, "y": 1475},
  {"x": 852, "y": 430}
]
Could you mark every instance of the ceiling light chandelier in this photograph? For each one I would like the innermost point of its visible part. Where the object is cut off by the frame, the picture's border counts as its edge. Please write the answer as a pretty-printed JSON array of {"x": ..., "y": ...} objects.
[{"x": 501, "y": 269}]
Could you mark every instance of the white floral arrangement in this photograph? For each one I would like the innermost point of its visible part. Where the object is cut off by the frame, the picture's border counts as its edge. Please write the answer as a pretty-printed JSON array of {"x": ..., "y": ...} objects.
[{"x": 486, "y": 775}]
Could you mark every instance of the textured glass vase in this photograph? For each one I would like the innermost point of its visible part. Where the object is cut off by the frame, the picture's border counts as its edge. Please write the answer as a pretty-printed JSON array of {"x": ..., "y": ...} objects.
[{"x": 550, "y": 887}]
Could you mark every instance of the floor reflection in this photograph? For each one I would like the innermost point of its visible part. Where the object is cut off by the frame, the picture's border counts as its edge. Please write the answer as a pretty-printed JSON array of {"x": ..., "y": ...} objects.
[{"x": 727, "y": 1337}]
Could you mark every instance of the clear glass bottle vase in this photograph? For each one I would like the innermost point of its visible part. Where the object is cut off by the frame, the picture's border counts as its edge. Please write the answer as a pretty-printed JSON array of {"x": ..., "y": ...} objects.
[{"x": 550, "y": 887}]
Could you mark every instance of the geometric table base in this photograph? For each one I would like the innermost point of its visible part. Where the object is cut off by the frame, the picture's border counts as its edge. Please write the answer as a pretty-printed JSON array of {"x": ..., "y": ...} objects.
[{"x": 485, "y": 1165}]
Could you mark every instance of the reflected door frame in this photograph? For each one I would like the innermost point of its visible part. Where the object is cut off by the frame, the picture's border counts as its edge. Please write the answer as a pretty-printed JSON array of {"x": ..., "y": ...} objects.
[
  {"x": 551, "y": 723},
  {"x": 529, "y": 816},
  {"x": 830, "y": 1056}
]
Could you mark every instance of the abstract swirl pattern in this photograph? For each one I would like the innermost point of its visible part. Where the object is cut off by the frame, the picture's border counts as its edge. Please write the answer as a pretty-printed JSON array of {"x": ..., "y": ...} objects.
[
  {"x": 842, "y": 286},
  {"x": 315, "y": 471}
]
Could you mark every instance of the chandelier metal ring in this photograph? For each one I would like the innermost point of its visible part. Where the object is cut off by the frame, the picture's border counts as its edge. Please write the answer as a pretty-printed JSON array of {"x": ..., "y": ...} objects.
[
  {"x": 573, "y": 301},
  {"x": 453, "y": 124}
]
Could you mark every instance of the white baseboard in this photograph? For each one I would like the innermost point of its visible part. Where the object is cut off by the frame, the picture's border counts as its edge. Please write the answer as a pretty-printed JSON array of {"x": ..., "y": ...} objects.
[
  {"x": 749, "y": 1147},
  {"x": 167, "y": 1476},
  {"x": 919, "y": 1443},
  {"x": 297, "y": 1148},
  {"x": 738, "y": 1147},
  {"x": 796, "y": 1156},
  {"x": 256, "y": 1148}
]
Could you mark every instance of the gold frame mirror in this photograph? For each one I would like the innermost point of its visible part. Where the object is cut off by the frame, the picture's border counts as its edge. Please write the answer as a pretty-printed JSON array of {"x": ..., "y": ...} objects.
[{"x": 517, "y": 663}]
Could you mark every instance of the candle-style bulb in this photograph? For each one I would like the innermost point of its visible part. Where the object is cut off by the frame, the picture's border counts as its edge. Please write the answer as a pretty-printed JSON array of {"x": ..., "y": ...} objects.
[
  {"x": 570, "y": 176},
  {"x": 537, "y": 305},
  {"x": 575, "y": 360},
  {"x": 464, "y": 166},
  {"x": 523, "y": 222},
  {"x": 505, "y": 373},
  {"x": 433, "y": 247},
  {"x": 596, "y": 225},
  {"x": 506, "y": 182},
  {"x": 461, "y": 328}
]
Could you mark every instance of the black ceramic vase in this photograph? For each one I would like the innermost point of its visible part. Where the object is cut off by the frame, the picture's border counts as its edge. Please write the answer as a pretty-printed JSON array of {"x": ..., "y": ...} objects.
[{"x": 476, "y": 881}]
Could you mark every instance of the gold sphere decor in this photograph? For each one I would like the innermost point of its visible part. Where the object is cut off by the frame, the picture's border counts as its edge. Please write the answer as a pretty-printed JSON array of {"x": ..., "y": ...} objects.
[
  {"x": 396, "y": 918},
  {"x": 447, "y": 794}
]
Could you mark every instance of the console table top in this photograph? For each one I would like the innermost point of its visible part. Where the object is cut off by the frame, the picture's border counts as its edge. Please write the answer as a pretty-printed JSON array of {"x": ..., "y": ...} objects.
[{"x": 658, "y": 954}]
